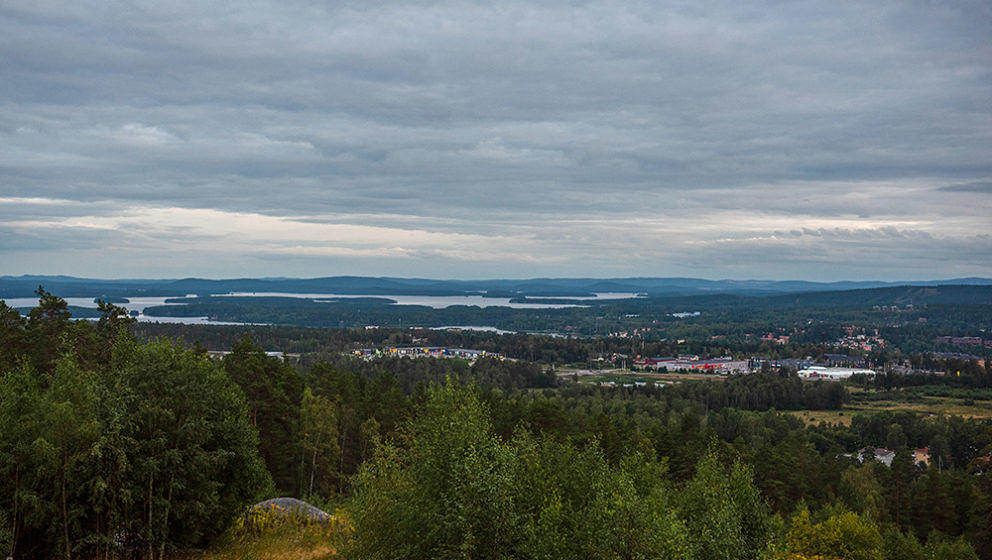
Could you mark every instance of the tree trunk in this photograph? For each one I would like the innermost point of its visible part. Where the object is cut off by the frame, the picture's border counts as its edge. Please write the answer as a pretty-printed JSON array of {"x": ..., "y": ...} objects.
[
  {"x": 65, "y": 512},
  {"x": 165, "y": 519},
  {"x": 340, "y": 476},
  {"x": 151, "y": 534},
  {"x": 13, "y": 530},
  {"x": 313, "y": 467},
  {"x": 301, "y": 474}
]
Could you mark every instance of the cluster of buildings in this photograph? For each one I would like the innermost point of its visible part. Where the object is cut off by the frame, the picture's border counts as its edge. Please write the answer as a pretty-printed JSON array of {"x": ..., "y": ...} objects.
[
  {"x": 956, "y": 356},
  {"x": 791, "y": 363},
  {"x": 920, "y": 456},
  {"x": 640, "y": 331},
  {"x": 860, "y": 340},
  {"x": 964, "y": 340},
  {"x": 894, "y": 308},
  {"x": 218, "y": 354},
  {"x": 778, "y": 339},
  {"x": 425, "y": 352},
  {"x": 693, "y": 363},
  {"x": 843, "y": 360},
  {"x": 833, "y": 366}
]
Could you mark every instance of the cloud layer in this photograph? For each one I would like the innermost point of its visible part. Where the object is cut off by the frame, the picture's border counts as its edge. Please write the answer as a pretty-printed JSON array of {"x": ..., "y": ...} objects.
[{"x": 460, "y": 139}]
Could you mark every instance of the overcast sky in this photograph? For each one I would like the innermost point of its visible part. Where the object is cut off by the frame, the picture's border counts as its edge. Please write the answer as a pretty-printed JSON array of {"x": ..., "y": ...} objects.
[{"x": 781, "y": 140}]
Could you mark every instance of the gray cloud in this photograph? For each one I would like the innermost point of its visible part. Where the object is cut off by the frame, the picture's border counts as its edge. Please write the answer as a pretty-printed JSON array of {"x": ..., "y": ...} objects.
[
  {"x": 977, "y": 187},
  {"x": 625, "y": 137}
]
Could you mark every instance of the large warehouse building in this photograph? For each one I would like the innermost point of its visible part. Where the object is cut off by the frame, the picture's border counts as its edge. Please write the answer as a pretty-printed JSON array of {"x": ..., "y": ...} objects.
[{"x": 832, "y": 372}]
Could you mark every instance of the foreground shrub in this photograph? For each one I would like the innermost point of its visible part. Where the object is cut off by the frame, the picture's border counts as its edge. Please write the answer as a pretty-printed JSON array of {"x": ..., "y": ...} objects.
[
  {"x": 149, "y": 453},
  {"x": 450, "y": 488}
]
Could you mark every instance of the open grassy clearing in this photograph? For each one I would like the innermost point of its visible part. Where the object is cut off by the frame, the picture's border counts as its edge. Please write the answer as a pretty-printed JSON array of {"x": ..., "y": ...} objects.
[
  {"x": 811, "y": 417},
  {"x": 619, "y": 376},
  {"x": 269, "y": 533},
  {"x": 271, "y": 547},
  {"x": 927, "y": 406}
]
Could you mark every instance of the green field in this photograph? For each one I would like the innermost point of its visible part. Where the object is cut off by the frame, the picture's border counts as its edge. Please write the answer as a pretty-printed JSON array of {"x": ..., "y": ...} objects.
[
  {"x": 622, "y": 376},
  {"x": 923, "y": 405}
]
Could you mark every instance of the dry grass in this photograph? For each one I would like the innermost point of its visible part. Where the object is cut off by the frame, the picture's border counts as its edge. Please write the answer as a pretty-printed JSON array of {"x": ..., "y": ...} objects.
[
  {"x": 268, "y": 534},
  {"x": 286, "y": 547},
  {"x": 926, "y": 406},
  {"x": 811, "y": 417},
  {"x": 933, "y": 406},
  {"x": 627, "y": 376}
]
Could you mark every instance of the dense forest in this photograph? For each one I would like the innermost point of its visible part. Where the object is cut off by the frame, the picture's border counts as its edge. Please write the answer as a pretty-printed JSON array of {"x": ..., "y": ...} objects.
[{"x": 119, "y": 444}]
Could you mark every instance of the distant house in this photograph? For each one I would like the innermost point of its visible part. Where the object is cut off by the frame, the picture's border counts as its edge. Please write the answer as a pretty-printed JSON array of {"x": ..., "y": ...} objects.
[
  {"x": 426, "y": 352},
  {"x": 880, "y": 454},
  {"x": 656, "y": 362},
  {"x": 218, "y": 354},
  {"x": 922, "y": 456},
  {"x": 843, "y": 359},
  {"x": 980, "y": 465},
  {"x": 961, "y": 340}
]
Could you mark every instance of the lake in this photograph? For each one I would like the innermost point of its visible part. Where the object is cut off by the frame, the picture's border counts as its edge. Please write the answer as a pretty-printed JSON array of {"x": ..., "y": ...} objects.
[
  {"x": 135, "y": 304},
  {"x": 437, "y": 302}
]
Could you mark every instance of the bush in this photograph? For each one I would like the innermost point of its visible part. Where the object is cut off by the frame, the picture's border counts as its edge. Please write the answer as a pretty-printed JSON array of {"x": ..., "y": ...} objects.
[
  {"x": 847, "y": 536},
  {"x": 150, "y": 452},
  {"x": 450, "y": 488}
]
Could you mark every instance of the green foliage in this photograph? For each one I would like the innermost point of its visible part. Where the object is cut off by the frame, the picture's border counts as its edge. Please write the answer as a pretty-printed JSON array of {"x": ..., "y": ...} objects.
[
  {"x": 940, "y": 547},
  {"x": 725, "y": 514},
  {"x": 273, "y": 390},
  {"x": 450, "y": 488},
  {"x": 319, "y": 428},
  {"x": 760, "y": 391},
  {"x": 194, "y": 453},
  {"x": 861, "y": 491},
  {"x": 846, "y": 536},
  {"x": 12, "y": 337},
  {"x": 902, "y": 546},
  {"x": 445, "y": 495},
  {"x": 574, "y": 504},
  {"x": 111, "y": 447},
  {"x": 46, "y": 325}
]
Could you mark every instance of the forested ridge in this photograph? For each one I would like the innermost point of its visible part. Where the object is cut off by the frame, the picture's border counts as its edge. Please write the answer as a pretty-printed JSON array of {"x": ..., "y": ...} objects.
[
  {"x": 120, "y": 446},
  {"x": 24, "y": 286}
]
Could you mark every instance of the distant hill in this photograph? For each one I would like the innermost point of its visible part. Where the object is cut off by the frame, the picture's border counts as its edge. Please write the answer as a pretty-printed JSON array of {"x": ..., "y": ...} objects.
[
  {"x": 896, "y": 295},
  {"x": 67, "y": 286}
]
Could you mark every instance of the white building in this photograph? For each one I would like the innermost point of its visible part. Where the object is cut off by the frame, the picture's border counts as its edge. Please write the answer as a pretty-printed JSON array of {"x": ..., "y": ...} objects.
[{"x": 832, "y": 372}]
